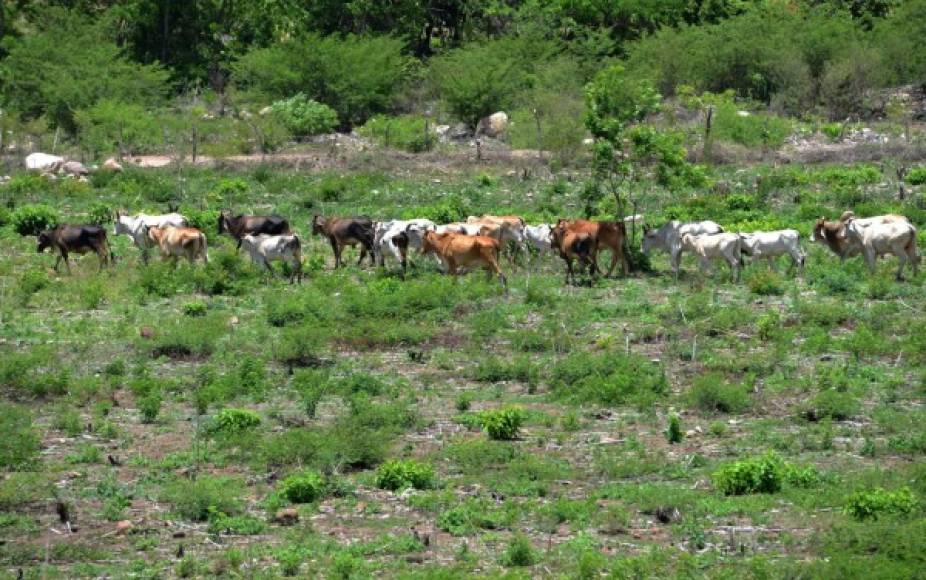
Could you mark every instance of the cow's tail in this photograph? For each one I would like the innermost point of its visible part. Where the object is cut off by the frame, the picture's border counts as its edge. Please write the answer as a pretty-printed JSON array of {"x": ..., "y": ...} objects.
[{"x": 203, "y": 247}]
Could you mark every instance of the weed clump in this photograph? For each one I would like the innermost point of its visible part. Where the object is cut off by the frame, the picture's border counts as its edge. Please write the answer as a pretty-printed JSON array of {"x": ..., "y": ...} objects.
[
  {"x": 608, "y": 379},
  {"x": 502, "y": 424},
  {"x": 304, "y": 487},
  {"x": 872, "y": 504},
  {"x": 234, "y": 422},
  {"x": 674, "y": 432},
  {"x": 763, "y": 474},
  {"x": 712, "y": 393},
  {"x": 520, "y": 552},
  {"x": 19, "y": 443},
  {"x": 198, "y": 499},
  {"x": 30, "y": 220},
  {"x": 398, "y": 474}
]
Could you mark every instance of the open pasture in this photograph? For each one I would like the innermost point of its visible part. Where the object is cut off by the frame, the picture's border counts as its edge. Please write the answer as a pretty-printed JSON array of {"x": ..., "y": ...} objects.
[{"x": 209, "y": 419}]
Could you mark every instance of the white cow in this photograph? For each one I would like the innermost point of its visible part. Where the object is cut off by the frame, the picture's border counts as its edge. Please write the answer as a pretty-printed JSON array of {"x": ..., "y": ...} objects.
[
  {"x": 459, "y": 228},
  {"x": 668, "y": 237},
  {"x": 880, "y": 239},
  {"x": 770, "y": 245},
  {"x": 136, "y": 227},
  {"x": 396, "y": 236},
  {"x": 266, "y": 248},
  {"x": 707, "y": 247},
  {"x": 44, "y": 162},
  {"x": 540, "y": 237}
]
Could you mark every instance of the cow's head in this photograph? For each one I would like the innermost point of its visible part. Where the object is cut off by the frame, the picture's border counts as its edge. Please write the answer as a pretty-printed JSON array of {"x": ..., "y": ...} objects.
[
  {"x": 649, "y": 239},
  {"x": 223, "y": 221},
  {"x": 745, "y": 243},
  {"x": 318, "y": 225},
  {"x": 429, "y": 242},
  {"x": 44, "y": 240}
]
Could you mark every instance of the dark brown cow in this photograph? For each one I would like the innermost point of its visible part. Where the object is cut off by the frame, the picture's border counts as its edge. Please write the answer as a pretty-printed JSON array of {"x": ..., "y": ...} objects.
[
  {"x": 77, "y": 239},
  {"x": 606, "y": 234},
  {"x": 241, "y": 225},
  {"x": 346, "y": 232},
  {"x": 571, "y": 245}
]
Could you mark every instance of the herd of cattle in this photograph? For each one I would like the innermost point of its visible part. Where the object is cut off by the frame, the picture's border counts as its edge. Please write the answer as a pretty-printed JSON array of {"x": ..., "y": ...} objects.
[{"x": 479, "y": 241}]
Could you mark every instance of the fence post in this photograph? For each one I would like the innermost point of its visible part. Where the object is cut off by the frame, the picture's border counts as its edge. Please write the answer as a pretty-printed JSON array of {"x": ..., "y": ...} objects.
[{"x": 708, "y": 140}]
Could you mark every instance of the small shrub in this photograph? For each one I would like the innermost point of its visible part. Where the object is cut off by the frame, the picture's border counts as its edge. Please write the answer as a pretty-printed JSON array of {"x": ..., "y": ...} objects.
[
  {"x": 831, "y": 404},
  {"x": 674, "y": 432},
  {"x": 464, "y": 401},
  {"x": 520, "y": 552},
  {"x": 406, "y": 132},
  {"x": 30, "y": 220},
  {"x": 768, "y": 325},
  {"x": 100, "y": 214},
  {"x": 290, "y": 560},
  {"x": 194, "y": 309},
  {"x": 763, "y": 474},
  {"x": 916, "y": 176},
  {"x": 398, "y": 474},
  {"x": 865, "y": 505},
  {"x": 150, "y": 406},
  {"x": 31, "y": 282},
  {"x": 234, "y": 421},
  {"x": 220, "y": 523},
  {"x": 711, "y": 392},
  {"x": 203, "y": 497},
  {"x": 765, "y": 283},
  {"x": 502, "y": 424},
  {"x": 303, "y": 116},
  {"x": 304, "y": 487},
  {"x": 19, "y": 443}
]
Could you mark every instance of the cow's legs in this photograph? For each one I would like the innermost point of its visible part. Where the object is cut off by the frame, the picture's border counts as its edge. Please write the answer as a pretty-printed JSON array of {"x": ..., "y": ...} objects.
[
  {"x": 336, "y": 248},
  {"x": 771, "y": 263}
]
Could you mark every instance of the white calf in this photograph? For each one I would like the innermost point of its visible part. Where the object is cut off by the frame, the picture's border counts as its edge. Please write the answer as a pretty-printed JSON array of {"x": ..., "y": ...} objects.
[
  {"x": 265, "y": 248},
  {"x": 540, "y": 237},
  {"x": 725, "y": 247},
  {"x": 770, "y": 245},
  {"x": 396, "y": 236},
  {"x": 668, "y": 237}
]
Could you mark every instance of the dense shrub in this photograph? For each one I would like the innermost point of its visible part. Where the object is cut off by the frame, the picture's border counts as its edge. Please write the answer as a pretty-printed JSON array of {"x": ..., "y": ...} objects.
[
  {"x": 711, "y": 392},
  {"x": 519, "y": 552},
  {"x": 763, "y": 474},
  {"x": 830, "y": 404},
  {"x": 203, "y": 497},
  {"x": 19, "y": 443},
  {"x": 304, "y": 487},
  {"x": 765, "y": 283},
  {"x": 30, "y": 220},
  {"x": 608, "y": 378},
  {"x": 502, "y": 424},
  {"x": 674, "y": 432},
  {"x": 304, "y": 116},
  {"x": 399, "y": 474},
  {"x": 234, "y": 421},
  {"x": 916, "y": 176},
  {"x": 871, "y": 504},
  {"x": 405, "y": 132}
]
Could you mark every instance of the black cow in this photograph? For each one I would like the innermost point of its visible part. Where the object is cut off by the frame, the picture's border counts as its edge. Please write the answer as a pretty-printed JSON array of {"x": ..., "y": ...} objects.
[
  {"x": 77, "y": 239},
  {"x": 241, "y": 225}
]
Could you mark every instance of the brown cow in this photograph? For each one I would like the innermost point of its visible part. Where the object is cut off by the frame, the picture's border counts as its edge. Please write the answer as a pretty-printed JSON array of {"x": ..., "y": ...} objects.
[
  {"x": 346, "y": 232},
  {"x": 606, "y": 234},
  {"x": 77, "y": 239},
  {"x": 456, "y": 250},
  {"x": 835, "y": 236},
  {"x": 189, "y": 243},
  {"x": 572, "y": 245}
]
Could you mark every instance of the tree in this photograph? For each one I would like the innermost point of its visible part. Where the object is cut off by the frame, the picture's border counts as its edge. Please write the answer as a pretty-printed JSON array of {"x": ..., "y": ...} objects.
[
  {"x": 112, "y": 125},
  {"x": 69, "y": 65}
]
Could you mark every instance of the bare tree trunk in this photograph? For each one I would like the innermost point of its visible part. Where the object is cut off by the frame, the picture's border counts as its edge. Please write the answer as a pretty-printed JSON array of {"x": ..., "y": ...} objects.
[{"x": 708, "y": 139}]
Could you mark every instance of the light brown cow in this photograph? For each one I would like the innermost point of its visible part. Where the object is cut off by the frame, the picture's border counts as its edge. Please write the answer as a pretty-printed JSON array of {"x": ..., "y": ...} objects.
[
  {"x": 189, "y": 243},
  {"x": 456, "y": 250},
  {"x": 571, "y": 245},
  {"x": 606, "y": 234}
]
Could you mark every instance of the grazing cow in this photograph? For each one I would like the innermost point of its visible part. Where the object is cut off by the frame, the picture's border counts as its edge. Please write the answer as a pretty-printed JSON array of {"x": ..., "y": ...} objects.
[
  {"x": 44, "y": 162},
  {"x": 605, "y": 234},
  {"x": 879, "y": 239},
  {"x": 456, "y": 250},
  {"x": 241, "y": 225},
  {"x": 770, "y": 245},
  {"x": 668, "y": 237},
  {"x": 174, "y": 243},
  {"x": 264, "y": 249},
  {"x": 540, "y": 237},
  {"x": 396, "y": 236},
  {"x": 346, "y": 232},
  {"x": 707, "y": 247},
  {"x": 136, "y": 227},
  {"x": 834, "y": 234},
  {"x": 77, "y": 239},
  {"x": 510, "y": 230},
  {"x": 573, "y": 244},
  {"x": 459, "y": 228}
]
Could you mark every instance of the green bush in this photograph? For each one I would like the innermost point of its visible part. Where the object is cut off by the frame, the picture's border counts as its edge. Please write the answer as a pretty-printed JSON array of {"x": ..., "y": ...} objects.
[
  {"x": 406, "y": 132},
  {"x": 203, "y": 497},
  {"x": 711, "y": 392},
  {"x": 30, "y": 220},
  {"x": 916, "y": 176},
  {"x": 872, "y": 504},
  {"x": 502, "y": 424},
  {"x": 194, "y": 309},
  {"x": 400, "y": 474},
  {"x": 304, "y": 116},
  {"x": 220, "y": 523},
  {"x": 674, "y": 432},
  {"x": 608, "y": 378},
  {"x": 765, "y": 283},
  {"x": 304, "y": 487},
  {"x": 520, "y": 552},
  {"x": 26, "y": 184},
  {"x": 150, "y": 406},
  {"x": 832, "y": 404},
  {"x": 763, "y": 474},
  {"x": 234, "y": 421},
  {"x": 19, "y": 443}
]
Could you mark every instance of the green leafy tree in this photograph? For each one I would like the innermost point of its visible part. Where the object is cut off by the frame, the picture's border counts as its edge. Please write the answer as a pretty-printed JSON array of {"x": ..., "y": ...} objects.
[{"x": 71, "y": 65}]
